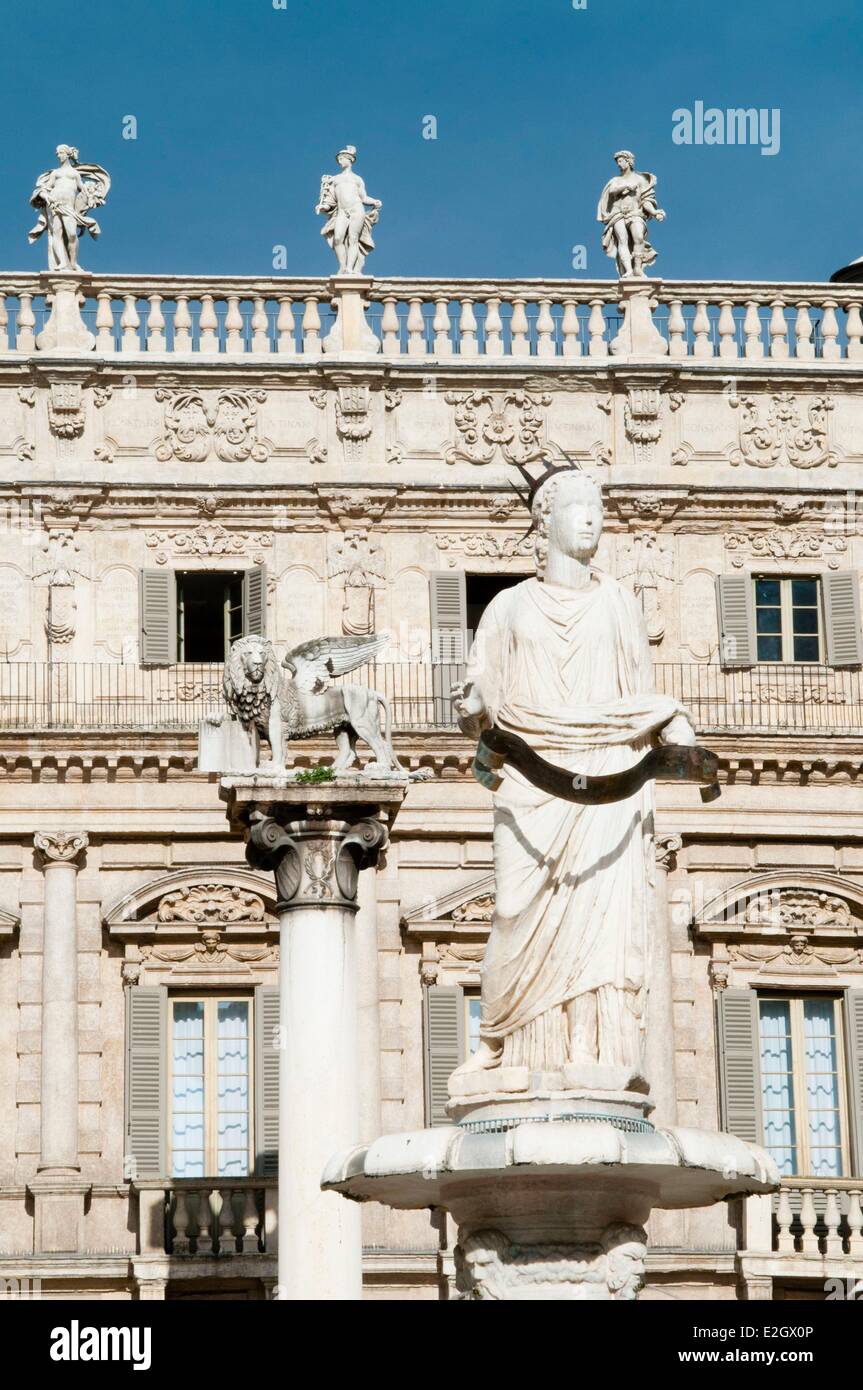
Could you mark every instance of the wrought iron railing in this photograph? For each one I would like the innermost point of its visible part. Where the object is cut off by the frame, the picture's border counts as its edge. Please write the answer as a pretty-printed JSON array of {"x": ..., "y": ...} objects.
[{"x": 102, "y": 696}]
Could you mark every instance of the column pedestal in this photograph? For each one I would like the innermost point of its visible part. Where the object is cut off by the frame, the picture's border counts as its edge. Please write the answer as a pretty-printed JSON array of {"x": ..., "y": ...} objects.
[
  {"x": 316, "y": 839},
  {"x": 65, "y": 331},
  {"x": 638, "y": 336},
  {"x": 350, "y": 333}
]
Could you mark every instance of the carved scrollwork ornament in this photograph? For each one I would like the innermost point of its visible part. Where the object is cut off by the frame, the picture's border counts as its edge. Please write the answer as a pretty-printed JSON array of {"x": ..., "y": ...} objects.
[
  {"x": 313, "y": 865},
  {"x": 60, "y": 846}
]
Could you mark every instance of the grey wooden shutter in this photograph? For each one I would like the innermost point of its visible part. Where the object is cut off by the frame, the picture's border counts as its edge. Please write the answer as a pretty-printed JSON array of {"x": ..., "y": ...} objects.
[
  {"x": 448, "y": 639},
  {"x": 158, "y": 617},
  {"x": 739, "y": 1064},
  {"x": 735, "y": 604},
  {"x": 854, "y": 1052},
  {"x": 255, "y": 602},
  {"x": 146, "y": 1084},
  {"x": 444, "y": 1046},
  {"x": 267, "y": 1053},
  {"x": 841, "y": 591}
]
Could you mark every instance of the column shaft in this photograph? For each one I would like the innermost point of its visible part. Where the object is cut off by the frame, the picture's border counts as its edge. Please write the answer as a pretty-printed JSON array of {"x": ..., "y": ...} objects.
[{"x": 59, "y": 1093}]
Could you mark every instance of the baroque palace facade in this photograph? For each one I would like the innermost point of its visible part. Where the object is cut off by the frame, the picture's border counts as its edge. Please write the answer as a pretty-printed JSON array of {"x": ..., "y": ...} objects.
[{"x": 206, "y": 469}]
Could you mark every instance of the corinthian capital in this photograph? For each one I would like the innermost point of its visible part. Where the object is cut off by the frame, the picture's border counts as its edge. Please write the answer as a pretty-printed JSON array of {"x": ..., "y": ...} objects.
[
  {"x": 60, "y": 846},
  {"x": 666, "y": 848}
]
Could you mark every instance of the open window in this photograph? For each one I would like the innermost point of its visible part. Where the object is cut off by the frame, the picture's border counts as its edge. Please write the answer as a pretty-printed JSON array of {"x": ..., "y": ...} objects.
[{"x": 195, "y": 615}]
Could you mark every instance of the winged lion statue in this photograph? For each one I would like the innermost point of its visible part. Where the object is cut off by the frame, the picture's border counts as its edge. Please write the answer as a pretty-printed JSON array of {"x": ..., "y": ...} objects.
[{"x": 297, "y": 699}]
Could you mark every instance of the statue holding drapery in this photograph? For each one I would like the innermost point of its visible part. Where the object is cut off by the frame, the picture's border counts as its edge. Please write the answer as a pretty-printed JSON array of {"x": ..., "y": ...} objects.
[{"x": 64, "y": 197}]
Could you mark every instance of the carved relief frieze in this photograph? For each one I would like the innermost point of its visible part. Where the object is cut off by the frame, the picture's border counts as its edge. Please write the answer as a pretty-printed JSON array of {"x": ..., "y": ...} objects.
[
  {"x": 475, "y": 544},
  {"x": 357, "y": 565},
  {"x": 784, "y": 543},
  {"x": 353, "y": 421},
  {"x": 509, "y": 425},
  {"x": 479, "y": 909},
  {"x": 776, "y": 435},
  {"x": 648, "y": 567},
  {"x": 208, "y": 541},
  {"x": 58, "y": 563},
  {"x": 198, "y": 424},
  {"x": 211, "y": 904},
  {"x": 66, "y": 412}
]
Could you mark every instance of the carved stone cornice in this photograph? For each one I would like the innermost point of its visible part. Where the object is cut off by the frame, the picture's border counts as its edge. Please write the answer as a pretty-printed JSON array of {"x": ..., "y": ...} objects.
[{"x": 60, "y": 847}]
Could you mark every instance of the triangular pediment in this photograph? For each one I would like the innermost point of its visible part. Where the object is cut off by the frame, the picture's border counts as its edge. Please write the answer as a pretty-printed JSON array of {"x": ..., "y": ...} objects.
[{"x": 466, "y": 910}]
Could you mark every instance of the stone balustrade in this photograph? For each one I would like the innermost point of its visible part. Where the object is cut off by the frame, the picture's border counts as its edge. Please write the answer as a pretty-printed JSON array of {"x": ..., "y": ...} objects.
[
  {"x": 440, "y": 320},
  {"x": 812, "y": 1217},
  {"x": 224, "y": 1217}
]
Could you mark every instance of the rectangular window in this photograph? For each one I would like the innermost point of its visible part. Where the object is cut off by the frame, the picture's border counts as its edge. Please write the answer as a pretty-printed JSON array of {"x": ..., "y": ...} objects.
[
  {"x": 209, "y": 614},
  {"x": 211, "y": 1083},
  {"x": 803, "y": 1085},
  {"x": 480, "y": 589},
  {"x": 788, "y": 621},
  {"x": 472, "y": 1010}
]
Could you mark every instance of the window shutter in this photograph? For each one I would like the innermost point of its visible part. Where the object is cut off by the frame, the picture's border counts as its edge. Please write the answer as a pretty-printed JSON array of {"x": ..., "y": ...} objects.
[
  {"x": 739, "y": 1064},
  {"x": 255, "y": 602},
  {"x": 448, "y": 615},
  {"x": 736, "y": 610},
  {"x": 158, "y": 617},
  {"x": 841, "y": 591},
  {"x": 266, "y": 1081},
  {"x": 444, "y": 1046},
  {"x": 146, "y": 1089},
  {"x": 854, "y": 1049}
]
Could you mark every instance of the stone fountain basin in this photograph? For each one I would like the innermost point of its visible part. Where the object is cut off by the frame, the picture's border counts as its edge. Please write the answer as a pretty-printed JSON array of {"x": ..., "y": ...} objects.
[{"x": 669, "y": 1168}]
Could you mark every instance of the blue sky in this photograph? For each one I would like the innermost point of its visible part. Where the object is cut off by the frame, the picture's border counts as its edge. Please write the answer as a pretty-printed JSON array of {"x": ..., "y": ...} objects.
[{"x": 240, "y": 107}]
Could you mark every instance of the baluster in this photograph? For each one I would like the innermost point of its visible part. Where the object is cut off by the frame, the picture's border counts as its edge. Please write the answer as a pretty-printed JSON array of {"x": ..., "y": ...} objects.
[
  {"x": 443, "y": 345},
  {"x": 808, "y": 1218},
  {"x": 854, "y": 331},
  {"x": 155, "y": 325},
  {"x": 804, "y": 347},
  {"x": 130, "y": 322},
  {"x": 784, "y": 1218},
  {"x": 702, "y": 346},
  {"x": 286, "y": 345},
  {"x": 226, "y": 1221},
  {"x": 4, "y": 320},
  {"x": 207, "y": 325},
  {"x": 311, "y": 327},
  {"x": 831, "y": 351},
  {"x": 545, "y": 330},
  {"x": 250, "y": 1220},
  {"x": 571, "y": 344},
  {"x": 778, "y": 330},
  {"x": 855, "y": 1223},
  {"x": 676, "y": 330},
  {"x": 727, "y": 334},
  {"x": 596, "y": 328},
  {"x": 207, "y": 1212},
  {"x": 518, "y": 329},
  {"x": 753, "y": 346},
  {"x": 833, "y": 1240},
  {"x": 104, "y": 322},
  {"x": 182, "y": 325},
  {"x": 260, "y": 327},
  {"x": 467, "y": 330},
  {"x": 25, "y": 340},
  {"x": 233, "y": 325},
  {"x": 493, "y": 329},
  {"x": 390, "y": 327},
  {"x": 416, "y": 328},
  {"x": 181, "y": 1223}
]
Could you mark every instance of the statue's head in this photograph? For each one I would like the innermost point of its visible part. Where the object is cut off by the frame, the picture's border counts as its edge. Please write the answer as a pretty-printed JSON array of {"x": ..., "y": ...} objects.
[
  {"x": 346, "y": 157},
  {"x": 252, "y": 652},
  {"x": 567, "y": 516},
  {"x": 625, "y": 160},
  {"x": 64, "y": 152}
]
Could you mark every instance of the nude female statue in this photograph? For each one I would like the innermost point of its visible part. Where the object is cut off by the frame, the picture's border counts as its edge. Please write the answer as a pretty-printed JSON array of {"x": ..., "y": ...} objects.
[
  {"x": 352, "y": 214},
  {"x": 626, "y": 204},
  {"x": 64, "y": 196}
]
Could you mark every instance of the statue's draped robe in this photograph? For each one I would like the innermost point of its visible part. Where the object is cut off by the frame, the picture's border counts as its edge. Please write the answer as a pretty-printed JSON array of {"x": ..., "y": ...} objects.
[{"x": 570, "y": 672}]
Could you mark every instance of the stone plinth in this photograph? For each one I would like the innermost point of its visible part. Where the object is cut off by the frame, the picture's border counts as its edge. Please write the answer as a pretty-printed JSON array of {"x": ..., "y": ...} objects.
[
  {"x": 350, "y": 334},
  {"x": 65, "y": 332},
  {"x": 638, "y": 336},
  {"x": 317, "y": 839},
  {"x": 551, "y": 1209}
]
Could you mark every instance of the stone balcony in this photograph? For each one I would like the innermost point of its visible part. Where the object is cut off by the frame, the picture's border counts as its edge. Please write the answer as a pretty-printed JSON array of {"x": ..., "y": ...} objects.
[
  {"x": 808, "y": 1233},
  {"x": 41, "y": 697},
  {"x": 288, "y": 318}
]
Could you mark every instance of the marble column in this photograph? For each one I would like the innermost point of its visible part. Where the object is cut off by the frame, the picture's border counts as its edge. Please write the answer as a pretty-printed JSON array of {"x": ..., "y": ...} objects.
[
  {"x": 60, "y": 853},
  {"x": 368, "y": 1006},
  {"x": 58, "y": 1191},
  {"x": 317, "y": 850},
  {"x": 660, "y": 1009}
]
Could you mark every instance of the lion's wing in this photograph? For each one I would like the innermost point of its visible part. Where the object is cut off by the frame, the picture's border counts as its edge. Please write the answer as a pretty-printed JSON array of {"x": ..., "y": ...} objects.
[{"x": 317, "y": 662}]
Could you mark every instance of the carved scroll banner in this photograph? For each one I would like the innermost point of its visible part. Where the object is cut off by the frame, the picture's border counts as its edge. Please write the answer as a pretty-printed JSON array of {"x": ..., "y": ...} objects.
[{"x": 670, "y": 763}]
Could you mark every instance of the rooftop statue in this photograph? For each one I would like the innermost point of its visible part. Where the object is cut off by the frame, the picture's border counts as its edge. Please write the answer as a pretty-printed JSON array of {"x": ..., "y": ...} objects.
[
  {"x": 351, "y": 214},
  {"x": 626, "y": 204},
  {"x": 64, "y": 197},
  {"x": 562, "y": 663}
]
